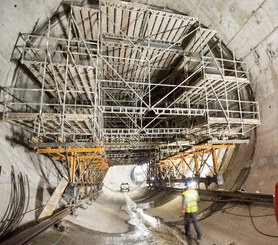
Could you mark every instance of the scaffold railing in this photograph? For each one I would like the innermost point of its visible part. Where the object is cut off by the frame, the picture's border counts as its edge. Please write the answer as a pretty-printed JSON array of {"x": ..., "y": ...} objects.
[{"x": 124, "y": 72}]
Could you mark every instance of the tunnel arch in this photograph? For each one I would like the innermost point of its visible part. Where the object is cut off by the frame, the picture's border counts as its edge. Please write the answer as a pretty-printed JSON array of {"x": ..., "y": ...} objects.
[{"x": 258, "y": 158}]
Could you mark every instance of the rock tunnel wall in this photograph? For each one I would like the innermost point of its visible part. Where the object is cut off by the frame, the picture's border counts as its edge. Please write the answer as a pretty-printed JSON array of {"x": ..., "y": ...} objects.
[
  {"x": 34, "y": 177},
  {"x": 247, "y": 27}
]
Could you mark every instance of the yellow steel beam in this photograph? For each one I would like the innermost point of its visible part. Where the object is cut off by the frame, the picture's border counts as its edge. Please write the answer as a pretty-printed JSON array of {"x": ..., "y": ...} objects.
[
  {"x": 72, "y": 167},
  {"x": 200, "y": 149},
  {"x": 59, "y": 158},
  {"x": 100, "y": 161},
  {"x": 165, "y": 167},
  {"x": 99, "y": 166},
  {"x": 91, "y": 157},
  {"x": 193, "y": 153},
  {"x": 69, "y": 150},
  {"x": 212, "y": 146},
  {"x": 157, "y": 164},
  {"x": 196, "y": 164},
  {"x": 214, "y": 159},
  {"x": 81, "y": 168},
  {"x": 183, "y": 167},
  {"x": 63, "y": 158}
]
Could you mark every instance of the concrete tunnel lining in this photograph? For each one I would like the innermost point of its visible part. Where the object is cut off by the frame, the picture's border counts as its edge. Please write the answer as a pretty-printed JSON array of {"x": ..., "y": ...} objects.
[{"x": 252, "y": 24}]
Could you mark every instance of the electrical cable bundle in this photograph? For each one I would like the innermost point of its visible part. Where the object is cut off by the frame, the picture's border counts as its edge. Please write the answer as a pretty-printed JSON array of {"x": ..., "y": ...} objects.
[{"x": 18, "y": 204}]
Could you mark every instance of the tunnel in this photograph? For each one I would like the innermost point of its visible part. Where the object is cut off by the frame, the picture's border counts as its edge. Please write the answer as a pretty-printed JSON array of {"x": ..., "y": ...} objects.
[{"x": 109, "y": 108}]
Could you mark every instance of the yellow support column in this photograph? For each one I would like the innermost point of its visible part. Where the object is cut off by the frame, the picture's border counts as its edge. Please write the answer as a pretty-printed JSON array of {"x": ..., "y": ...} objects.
[
  {"x": 183, "y": 166},
  {"x": 87, "y": 162},
  {"x": 160, "y": 171},
  {"x": 72, "y": 166},
  {"x": 81, "y": 169},
  {"x": 196, "y": 164},
  {"x": 214, "y": 158}
]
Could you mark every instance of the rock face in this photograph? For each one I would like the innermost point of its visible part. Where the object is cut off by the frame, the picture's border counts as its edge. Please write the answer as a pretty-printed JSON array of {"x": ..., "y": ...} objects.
[{"x": 247, "y": 27}]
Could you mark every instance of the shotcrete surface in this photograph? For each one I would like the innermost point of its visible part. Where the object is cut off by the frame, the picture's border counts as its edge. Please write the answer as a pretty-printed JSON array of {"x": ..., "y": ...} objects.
[{"x": 115, "y": 218}]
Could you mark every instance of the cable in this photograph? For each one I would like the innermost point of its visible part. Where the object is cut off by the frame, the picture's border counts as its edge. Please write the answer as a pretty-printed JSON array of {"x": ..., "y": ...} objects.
[
  {"x": 248, "y": 216},
  {"x": 17, "y": 206},
  {"x": 251, "y": 217}
]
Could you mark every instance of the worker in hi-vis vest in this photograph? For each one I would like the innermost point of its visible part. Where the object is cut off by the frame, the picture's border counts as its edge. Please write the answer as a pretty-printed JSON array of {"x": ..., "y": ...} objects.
[{"x": 189, "y": 209}]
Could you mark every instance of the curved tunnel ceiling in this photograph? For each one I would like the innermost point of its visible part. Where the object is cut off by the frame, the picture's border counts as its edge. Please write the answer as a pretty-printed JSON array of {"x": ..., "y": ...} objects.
[
  {"x": 142, "y": 82},
  {"x": 248, "y": 27}
]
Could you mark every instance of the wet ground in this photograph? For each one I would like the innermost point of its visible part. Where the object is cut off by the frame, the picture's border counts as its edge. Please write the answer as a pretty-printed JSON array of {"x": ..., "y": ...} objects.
[
  {"x": 116, "y": 219},
  {"x": 143, "y": 229}
]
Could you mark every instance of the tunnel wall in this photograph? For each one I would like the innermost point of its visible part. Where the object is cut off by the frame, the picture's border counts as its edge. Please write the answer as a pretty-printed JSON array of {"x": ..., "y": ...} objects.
[
  {"x": 249, "y": 28},
  {"x": 37, "y": 170}
]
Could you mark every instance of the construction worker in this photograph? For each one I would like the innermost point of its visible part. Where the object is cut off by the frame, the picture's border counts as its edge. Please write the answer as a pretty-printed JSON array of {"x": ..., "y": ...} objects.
[{"x": 189, "y": 209}]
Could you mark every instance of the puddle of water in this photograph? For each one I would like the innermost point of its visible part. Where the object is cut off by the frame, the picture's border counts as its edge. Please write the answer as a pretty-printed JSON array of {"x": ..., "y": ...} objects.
[{"x": 149, "y": 230}]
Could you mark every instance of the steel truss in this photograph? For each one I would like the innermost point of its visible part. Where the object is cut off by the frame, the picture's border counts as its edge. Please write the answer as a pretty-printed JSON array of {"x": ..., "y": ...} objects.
[
  {"x": 126, "y": 73},
  {"x": 86, "y": 167},
  {"x": 186, "y": 165}
]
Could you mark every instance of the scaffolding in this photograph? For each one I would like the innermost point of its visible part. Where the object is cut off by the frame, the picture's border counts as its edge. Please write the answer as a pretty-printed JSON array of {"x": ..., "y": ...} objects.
[
  {"x": 124, "y": 73},
  {"x": 201, "y": 163},
  {"x": 86, "y": 168}
]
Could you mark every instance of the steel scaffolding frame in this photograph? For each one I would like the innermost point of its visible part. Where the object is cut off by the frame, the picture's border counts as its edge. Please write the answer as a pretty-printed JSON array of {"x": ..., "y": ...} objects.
[
  {"x": 126, "y": 73},
  {"x": 86, "y": 167},
  {"x": 187, "y": 165}
]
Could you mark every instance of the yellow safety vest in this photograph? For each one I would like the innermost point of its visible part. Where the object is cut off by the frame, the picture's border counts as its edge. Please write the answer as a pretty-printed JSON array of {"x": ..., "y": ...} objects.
[{"x": 190, "y": 200}]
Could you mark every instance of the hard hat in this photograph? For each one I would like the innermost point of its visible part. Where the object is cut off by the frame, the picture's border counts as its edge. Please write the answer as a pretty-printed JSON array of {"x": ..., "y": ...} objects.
[{"x": 186, "y": 183}]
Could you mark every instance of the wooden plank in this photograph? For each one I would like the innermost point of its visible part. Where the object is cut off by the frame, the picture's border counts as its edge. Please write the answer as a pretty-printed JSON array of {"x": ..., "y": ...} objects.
[
  {"x": 86, "y": 24},
  {"x": 118, "y": 17},
  {"x": 139, "y": 73},
  {"x": 168, "y": 35},
  {"x": 163, "y": 60},
  {"x": 94, "y": 24},
  {"x": 125, "y": 21},
  {"x": 77, "y": 17},
  {"x": 139, "y": 23},
  {"x": 54, "y": 199},
  {"x": 103, "y": 10},
  {"x": 176, "y": 29},
  {"x": 149, "y": 26},
  {"x": 156, "y": 26},
  {"x": 162, "y": 31},
  {"x": 111, "y": 20},
  {"x": 127, "y": 55},
  {"x": 133, "y": 63},
  {"x": 132, "y": 22}
]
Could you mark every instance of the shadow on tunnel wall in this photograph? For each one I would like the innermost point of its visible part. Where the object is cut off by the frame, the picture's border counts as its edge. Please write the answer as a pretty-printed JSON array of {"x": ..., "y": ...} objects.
[
  {"x": 45, "y": 174},
  {"x": 45, "y": 187}
]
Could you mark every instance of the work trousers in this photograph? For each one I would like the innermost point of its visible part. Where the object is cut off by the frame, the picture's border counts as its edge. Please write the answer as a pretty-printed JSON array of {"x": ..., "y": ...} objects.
[{"x": 193, "y": 217}]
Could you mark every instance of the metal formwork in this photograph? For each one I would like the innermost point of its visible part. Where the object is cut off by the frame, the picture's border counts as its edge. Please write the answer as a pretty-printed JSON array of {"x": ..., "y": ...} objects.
[{"x": 124, "y": 73}]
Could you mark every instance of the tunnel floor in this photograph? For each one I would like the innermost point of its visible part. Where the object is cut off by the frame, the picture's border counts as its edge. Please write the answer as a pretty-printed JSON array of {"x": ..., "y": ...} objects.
[
  {"x": 114, "y": 218},
  {"x": 143, "y": 229}
]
